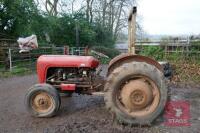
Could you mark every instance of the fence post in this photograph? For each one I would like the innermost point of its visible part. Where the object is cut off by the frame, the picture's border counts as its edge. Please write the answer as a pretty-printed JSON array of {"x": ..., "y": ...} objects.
[
  {"x": 86, "y": 51},
  {"x": 187, "y": 47},
  {"x": 66, "y": 50},
  {"x": 10, "y": 58},
  {"x": 30, "y": 60},
  {"x": 72, "y": 50}
]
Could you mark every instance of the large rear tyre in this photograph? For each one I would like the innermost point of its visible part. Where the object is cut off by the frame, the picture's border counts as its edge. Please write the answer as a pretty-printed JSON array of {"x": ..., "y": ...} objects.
[
  {"x": 136, "y": 93},
  {"x": 42, "y": 100}
]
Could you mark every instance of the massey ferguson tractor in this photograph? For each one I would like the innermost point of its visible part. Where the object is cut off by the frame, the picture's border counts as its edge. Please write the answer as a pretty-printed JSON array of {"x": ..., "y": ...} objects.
[{"x": 135, "y": 91}]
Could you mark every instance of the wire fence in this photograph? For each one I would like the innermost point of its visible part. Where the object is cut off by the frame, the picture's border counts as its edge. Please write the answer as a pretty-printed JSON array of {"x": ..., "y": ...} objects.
[
  {"x": 171, "y": 53},
  {"x": 173, "y": 48},
  {"x": 186, "y": 62},
  {"x": 13, "y": 61}
]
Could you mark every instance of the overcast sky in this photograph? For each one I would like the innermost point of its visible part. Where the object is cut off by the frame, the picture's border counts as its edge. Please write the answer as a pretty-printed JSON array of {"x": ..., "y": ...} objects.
[{"x": 171, "y": 17}]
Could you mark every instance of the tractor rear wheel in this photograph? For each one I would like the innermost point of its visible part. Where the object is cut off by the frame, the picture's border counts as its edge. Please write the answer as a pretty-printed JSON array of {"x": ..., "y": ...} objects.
[
  {"x": 136, "y": 93},
  {"x": 42, "y": 100}
]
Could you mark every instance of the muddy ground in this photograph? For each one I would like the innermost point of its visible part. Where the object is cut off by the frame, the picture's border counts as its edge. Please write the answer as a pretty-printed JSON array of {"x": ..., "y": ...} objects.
[{"x": 82, "y": 113}]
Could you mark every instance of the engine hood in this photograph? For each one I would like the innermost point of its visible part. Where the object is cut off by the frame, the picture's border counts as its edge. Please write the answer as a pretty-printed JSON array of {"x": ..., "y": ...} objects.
[
  {"x": 47, "y": 61},
  {"x": 67, "y": 61}
]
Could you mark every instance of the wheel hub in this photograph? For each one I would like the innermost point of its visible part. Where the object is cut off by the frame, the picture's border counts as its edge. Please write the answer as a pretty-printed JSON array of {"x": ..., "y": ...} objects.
[
  {"x": 42, "y": 102},
  {"x": 139, "y": 97}
]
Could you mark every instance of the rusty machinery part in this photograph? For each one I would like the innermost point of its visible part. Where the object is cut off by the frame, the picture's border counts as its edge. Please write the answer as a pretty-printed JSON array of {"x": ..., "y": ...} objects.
[
  {"x": 128, "y": 58},
  {"x": 85, "y": 79},
  {"x": 42, "y": 100},
  {"x": 132, "y": 30},
  {"x": 133, "y": 11},
  {"x": 70, "y": 75},
  {"x": 136, "y": 93}
]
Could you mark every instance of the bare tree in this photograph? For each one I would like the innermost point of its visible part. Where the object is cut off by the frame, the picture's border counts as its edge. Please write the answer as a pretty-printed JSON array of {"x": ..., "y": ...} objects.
[
  {"x": 111, "y": 14},
  {"x": 89, "y": 13},
  {"x": 51, "y": 7}
]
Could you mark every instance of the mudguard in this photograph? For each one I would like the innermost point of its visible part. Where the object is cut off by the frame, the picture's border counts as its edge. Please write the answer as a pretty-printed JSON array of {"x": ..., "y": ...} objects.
[{"x": 127, "y": 58}]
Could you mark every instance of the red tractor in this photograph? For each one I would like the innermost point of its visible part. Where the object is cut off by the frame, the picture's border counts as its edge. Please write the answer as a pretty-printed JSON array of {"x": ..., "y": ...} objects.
[{"x": 135, "y": 90}]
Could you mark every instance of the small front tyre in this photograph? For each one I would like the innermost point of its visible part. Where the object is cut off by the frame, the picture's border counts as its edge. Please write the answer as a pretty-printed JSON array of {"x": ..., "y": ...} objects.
[{"x": 42, "y": 100}]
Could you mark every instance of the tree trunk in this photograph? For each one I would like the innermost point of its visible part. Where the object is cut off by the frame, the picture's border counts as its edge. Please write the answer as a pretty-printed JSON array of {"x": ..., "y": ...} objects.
[
  {"x": 51, "y": 7},
  {"x": 88, "y": 10},
  {"x": 91, "y": 13},
  {"x": 118, "y": 20},
  {"x": 104, "y": 12}
]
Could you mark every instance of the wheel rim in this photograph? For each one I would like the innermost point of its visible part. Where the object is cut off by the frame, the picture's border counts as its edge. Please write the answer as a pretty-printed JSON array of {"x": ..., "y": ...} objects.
[
  {"x": 42, "y": 102},
  {"x": 138, "y": 97}
]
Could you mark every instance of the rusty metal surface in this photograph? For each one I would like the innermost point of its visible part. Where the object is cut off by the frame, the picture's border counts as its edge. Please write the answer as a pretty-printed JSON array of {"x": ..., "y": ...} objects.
[
  {"x": 127, "y": 58},
  {"x": 42, "y": 102},
  {"x": 132, "y": 30},
  {"x": 139, "y": 97},
  {"x": 133, "y": 11},
  {"x": 136, "y": 94}
]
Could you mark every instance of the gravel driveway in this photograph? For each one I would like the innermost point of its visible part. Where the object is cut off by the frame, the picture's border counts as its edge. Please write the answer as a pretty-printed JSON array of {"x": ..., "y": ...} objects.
[{"x": 82, "y": 113}]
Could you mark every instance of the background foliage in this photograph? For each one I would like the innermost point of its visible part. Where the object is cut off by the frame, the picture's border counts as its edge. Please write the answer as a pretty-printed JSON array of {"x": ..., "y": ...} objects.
[
  {"x": 98, "y": 22},
  {"x": 153, "y": 51}
]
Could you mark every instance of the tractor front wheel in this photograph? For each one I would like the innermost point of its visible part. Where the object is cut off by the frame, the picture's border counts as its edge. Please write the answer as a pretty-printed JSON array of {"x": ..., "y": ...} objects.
[
  {"x": 42, "y": 100},
  {"x": 136, "y": 93}
]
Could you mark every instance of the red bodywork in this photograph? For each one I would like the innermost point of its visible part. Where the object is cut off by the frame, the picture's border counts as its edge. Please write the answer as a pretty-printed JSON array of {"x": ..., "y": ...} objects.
[
  {"x": 45, "y": 62},
  {"x": 68, "y": 87}
]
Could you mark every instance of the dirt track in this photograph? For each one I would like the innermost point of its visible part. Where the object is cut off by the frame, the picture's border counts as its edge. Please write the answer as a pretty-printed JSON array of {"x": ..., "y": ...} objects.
[{"x": 81, "y": 113}]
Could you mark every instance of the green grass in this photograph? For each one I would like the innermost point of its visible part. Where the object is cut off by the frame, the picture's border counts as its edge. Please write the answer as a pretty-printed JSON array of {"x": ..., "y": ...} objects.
[{"x": 19, "y": 71}]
